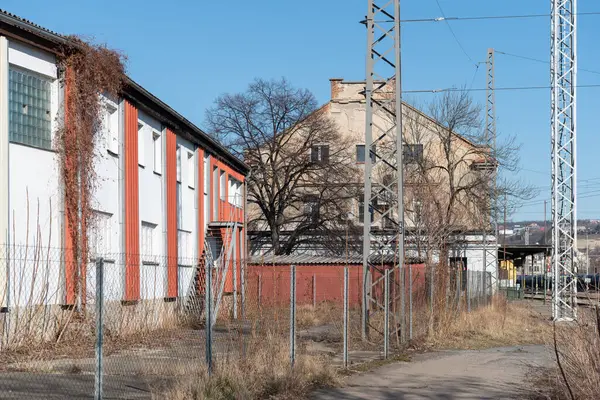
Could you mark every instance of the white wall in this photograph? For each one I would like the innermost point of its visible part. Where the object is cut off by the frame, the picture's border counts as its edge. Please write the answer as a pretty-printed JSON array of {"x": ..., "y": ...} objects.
[
  {"x": 105, "y": 230},
  {"x": 187, "y": 227},
  {"x": 35, "y": 200},
  {"x": 153, "y": 271}
]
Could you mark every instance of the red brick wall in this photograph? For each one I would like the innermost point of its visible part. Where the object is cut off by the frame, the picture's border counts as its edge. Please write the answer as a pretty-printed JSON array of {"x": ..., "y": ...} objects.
[{"x": 329, "y": 279}]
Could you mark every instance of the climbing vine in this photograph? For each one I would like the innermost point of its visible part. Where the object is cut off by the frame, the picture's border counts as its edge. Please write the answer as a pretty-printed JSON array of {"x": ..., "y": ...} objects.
[{"x": 88, "y": 70}]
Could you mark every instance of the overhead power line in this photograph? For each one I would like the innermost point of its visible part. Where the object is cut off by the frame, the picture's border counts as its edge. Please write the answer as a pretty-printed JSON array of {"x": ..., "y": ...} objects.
[
  {"x": 496, "y": 89},
  {"x": 488, "y": 17},
  {"x": 454, "y": 35},
  {"x": 542, "y": 61},
  {"x": 584, "y": 195}
]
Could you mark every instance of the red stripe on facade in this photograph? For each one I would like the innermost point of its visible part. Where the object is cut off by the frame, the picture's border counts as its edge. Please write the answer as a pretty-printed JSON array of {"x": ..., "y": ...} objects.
[
  {"x": 132, "y": 212},
  {"x": 171, "y": 177},
  {"x": 213, "y": 186},
  {"x": 70, "y": 245},
  {"x": 70, "y": 269},
  {"x": 238, "y": 263}
]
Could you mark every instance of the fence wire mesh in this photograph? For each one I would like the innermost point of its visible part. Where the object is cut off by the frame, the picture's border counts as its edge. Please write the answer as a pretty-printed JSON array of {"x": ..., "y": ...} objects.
[{"x": 146, "y": 329}]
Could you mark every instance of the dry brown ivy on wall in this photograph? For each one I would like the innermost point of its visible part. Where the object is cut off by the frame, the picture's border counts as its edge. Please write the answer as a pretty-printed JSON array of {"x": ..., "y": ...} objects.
[{"x": 88, "y": 71}]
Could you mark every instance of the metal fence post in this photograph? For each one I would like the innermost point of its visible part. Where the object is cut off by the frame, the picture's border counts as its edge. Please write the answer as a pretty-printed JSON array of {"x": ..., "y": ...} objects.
[
  {"x": 345, "y": 317},
  {"x": 292, "y": 315},
  {"x": 234, "y": 265},
  {"x": 386, "y": 323},
  {"x": 410, "y": 302},
  {"x": 402, "y": 302},
  {"x": 314, "y": 289},
  {"x": 545, "y": 280},
  {"x": 99, "y": 327},
  {"x": 431, "y": 286},
  {"x": 469, "y": 275},
  {"x": 259, "y": 290},
  {"x": 458, "y": 289},
  {"x": 208, "y": 314},
  {"x": 243, "y": 286}
]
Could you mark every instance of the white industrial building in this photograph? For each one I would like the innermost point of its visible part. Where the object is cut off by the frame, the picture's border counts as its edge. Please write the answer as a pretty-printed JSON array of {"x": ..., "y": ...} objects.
[{"x": 156, "y": 203}]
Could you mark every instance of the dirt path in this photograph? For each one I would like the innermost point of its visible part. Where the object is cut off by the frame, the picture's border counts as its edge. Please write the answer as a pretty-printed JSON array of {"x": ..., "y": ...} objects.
[{"x": 497, "y": 373}]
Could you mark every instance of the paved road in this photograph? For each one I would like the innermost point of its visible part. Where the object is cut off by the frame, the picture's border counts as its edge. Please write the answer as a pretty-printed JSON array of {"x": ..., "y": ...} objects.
[{"x": 471, "y": 374}]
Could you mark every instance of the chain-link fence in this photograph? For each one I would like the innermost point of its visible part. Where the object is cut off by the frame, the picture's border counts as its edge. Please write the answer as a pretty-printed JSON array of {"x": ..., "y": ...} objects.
[{"x": 124, "y": 326}]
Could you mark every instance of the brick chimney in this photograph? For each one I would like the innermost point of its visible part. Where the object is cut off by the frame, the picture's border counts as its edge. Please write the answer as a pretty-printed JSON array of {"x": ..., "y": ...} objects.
[{"x": 336, "y": 87}]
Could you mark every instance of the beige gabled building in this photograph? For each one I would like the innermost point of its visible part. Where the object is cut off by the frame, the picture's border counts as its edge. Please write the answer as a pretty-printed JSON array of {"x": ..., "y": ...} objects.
[
  {"x": 432, "y": 154},
  {"x": 436, "y": 160}
]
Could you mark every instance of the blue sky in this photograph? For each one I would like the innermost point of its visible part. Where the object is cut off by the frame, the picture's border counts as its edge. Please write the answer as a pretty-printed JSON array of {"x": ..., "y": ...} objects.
[{"x": 188, "y": 52}]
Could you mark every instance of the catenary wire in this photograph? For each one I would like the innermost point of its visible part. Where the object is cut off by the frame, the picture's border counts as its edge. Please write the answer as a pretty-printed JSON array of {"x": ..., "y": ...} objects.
[
  {"x": 455, "y": 89},
  {"x": 489, "y": 17},
  {"x": 541, "y": 61},
  {"x": 454, "y": 35}
]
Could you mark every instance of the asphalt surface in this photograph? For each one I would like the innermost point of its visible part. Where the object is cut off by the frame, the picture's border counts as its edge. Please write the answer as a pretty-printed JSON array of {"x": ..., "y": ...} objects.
[{"x": 498, "y": 373}]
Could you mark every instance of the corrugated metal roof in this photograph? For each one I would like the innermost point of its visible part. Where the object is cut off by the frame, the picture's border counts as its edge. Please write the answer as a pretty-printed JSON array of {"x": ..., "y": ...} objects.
[
  {"x": 307, "y": 259},
  {"x": 16, "y": 18}
]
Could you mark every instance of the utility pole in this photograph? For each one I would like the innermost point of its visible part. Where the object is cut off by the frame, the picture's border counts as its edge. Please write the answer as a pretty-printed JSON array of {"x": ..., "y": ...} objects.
[
  {"x": 490, "y": 232},
  {"x": 563, "y": 77},
  {"x": 545, "y": 220},
  {"x": 504, "y": 237},
  {"x": 545, "y": 263},
  {"x": 383, "y": 70}
]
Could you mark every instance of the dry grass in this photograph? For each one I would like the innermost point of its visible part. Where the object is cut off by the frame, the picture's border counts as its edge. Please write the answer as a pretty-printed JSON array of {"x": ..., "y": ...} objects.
[
  {"x": 502, "y": 323},
  {"x": 324, "y": 313},
  {"x": 577, "y": 375},
  {"x": 264, "y": 373}
]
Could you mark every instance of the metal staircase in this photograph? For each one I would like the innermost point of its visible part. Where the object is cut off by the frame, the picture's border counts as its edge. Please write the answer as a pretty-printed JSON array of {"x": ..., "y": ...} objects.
[{"x": 220, "y": 235}]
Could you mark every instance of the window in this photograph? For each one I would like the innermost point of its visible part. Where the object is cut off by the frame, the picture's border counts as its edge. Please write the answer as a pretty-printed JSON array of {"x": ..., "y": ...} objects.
[
  {"x": 360, "y": 153},
  {"x": 222, "y": 184},
  {"x": 206, "y": 174},
  {"x": 361, "y": 211},
  {"x": 235, "y": 192},
  {"x": 157, "y": 152},
  {"x": 413, "y": 153},
  {"x": 141, "y": 152},
  {"x": 184, "y": 247},
  {"x": 148, "y": 230},
  {"x": 30, "y": 119},
  {"x": 311, "y": 208},
  {"x": 319, "y": 153},
  {"x": 178, "y": 156},
  {"x": 100, "y": 238},
  {"x": 215, "y": 194},
  {"x": 238, "y": 194},
  {"x": 191, "y": 170},
  {"x": 111, "y": 125},
  {"x": 179, "y": 207}
]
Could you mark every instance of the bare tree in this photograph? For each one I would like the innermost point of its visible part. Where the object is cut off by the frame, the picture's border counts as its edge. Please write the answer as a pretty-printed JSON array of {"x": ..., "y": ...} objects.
[
  {"x": 302, "y": 175},
  {"x": 456, "y": 164},
  {"x": 448, "y": 181}
]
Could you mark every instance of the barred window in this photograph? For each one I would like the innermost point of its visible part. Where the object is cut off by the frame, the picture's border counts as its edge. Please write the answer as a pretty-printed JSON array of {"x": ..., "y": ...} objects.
[{"x": 29, "y": 109}]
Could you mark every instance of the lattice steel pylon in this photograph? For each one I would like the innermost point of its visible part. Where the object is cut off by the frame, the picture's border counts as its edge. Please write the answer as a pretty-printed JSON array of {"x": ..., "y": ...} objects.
[
  {"x": 383, "y": 233},
  {"x": 490, "y": 231},
  {"x": 563, "y": 75}
]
